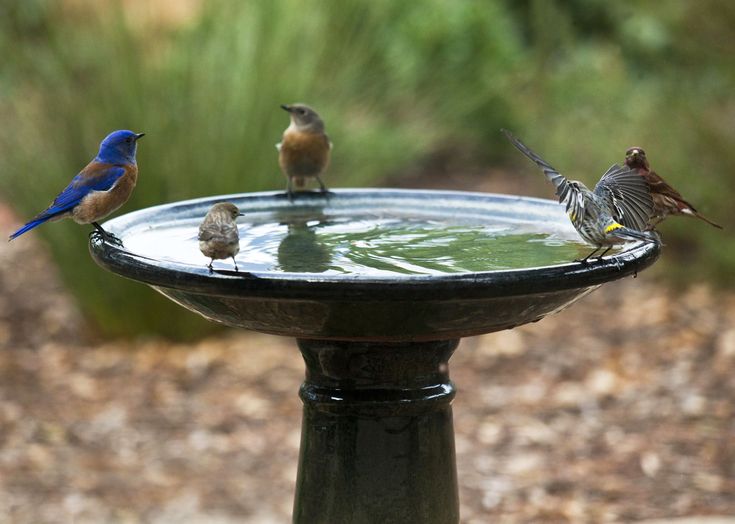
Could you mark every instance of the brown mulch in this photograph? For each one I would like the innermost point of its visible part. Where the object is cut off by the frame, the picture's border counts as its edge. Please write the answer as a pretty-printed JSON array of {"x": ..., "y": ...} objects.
[{"x": 620, "y": 408}]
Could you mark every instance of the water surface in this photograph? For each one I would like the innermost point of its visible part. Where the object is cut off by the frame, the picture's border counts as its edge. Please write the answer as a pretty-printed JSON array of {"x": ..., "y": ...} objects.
[{"x": 378, "y": 245}]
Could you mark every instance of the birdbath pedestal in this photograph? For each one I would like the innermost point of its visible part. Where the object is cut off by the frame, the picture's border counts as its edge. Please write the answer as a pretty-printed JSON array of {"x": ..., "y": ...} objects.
[{"x": 377, "y": 442}]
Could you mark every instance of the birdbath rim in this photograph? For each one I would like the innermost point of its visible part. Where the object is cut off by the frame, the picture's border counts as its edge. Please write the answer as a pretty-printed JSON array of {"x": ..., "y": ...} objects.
[{"x": 498, "y": 282}]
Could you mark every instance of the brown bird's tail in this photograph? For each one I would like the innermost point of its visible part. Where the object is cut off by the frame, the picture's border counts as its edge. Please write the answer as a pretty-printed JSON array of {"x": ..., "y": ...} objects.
[
  {"x": 299, "y": 182},
  {"x": 702, "y": 217}
]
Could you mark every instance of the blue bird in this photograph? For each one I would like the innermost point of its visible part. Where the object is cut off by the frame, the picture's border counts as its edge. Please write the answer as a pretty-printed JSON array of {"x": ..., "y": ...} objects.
[{"x": 100, "y": 188}]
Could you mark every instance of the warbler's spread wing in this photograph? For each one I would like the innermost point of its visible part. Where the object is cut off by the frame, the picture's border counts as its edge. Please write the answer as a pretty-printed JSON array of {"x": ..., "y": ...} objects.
[
  {"x": 96, "y": 176},
  {"x": 570, "y": 192},
  {"x": 627, "y": 195}
]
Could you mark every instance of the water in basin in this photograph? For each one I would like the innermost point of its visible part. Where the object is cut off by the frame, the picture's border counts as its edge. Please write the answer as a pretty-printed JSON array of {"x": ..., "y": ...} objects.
[{"x": 388, "y": 244}]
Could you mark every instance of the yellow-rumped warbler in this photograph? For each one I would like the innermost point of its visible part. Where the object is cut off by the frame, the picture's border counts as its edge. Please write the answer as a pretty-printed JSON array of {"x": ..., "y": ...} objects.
[
  {"x": 305, "y": 148},
  {"x": 218, "y": 235},
  {"x": 666, "y": 200},
  {"x": 616, "y": 211}
]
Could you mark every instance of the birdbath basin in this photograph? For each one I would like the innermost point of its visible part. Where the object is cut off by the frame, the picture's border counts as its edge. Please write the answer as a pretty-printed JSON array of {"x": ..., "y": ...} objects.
[{"x": 378, "y": 286}]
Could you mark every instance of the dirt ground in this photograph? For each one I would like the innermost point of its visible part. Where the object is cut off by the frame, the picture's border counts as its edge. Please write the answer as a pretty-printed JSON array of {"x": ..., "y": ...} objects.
[{"x": 619, "y": 409}]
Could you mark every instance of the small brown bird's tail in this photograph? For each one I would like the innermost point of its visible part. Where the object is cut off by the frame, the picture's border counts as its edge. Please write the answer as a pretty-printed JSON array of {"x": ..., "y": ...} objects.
[
  {"x": 702, "y": 217},
  {"x": 299, "y": 182}
]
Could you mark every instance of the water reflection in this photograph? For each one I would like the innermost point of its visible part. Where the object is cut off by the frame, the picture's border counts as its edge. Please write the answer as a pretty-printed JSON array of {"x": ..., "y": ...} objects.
[{"x": 300, "y": 251}]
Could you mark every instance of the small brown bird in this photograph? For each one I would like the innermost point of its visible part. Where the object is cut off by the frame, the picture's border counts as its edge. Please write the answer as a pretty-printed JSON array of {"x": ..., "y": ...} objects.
[
  {"x": 666, "y": 200},
  {"x": 218, "y": 235},
  {"x": 304, "y": 151}
]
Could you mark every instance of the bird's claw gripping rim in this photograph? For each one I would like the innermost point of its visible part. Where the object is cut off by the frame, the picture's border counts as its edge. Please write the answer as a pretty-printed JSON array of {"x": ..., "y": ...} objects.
[{"x": 104, "y": 236}]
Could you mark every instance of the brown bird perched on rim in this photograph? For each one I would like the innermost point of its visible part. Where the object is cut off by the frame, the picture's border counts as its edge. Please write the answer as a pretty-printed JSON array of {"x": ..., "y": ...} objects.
[
  {"x": 218, "y": 235},
  {"x": 666, "y": 200},
  {"x": 304, "y": 151}
]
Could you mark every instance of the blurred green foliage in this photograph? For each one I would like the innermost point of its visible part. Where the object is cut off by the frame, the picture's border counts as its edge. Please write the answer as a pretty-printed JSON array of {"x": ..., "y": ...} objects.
[{"x": 579, "y": 80}]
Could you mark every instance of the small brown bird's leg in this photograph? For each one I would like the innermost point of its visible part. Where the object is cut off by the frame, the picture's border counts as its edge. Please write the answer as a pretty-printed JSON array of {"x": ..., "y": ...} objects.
[
  {"x": 653, "y": 225},
  {"x": 235, "y": 263},
  {"x": 211, "y": 269},
  {"x": 105, "y": 236},
  {"x": 289, "y": 189},
  {"x": 322, "y": 187}
]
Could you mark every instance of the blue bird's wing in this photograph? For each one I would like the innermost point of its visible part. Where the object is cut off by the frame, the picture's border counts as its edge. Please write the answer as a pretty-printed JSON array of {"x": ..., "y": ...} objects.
[{"x": 95, "y": 177}]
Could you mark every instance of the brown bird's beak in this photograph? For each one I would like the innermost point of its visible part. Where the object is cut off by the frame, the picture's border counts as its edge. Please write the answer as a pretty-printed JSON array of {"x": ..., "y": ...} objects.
[
  {"x": 286, "y": 107},
  {"x": 139, "y": 136},
  {"x": 241, "y": 214}
]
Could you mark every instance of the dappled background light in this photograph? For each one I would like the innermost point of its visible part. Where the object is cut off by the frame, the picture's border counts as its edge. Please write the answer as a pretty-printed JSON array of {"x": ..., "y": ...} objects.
[{"x": 404, "y": 87}]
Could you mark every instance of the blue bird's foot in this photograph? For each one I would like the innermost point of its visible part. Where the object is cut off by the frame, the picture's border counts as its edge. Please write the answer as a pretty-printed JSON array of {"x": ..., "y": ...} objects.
[
  {"x": 112, "y": 239},
  {"x": 104, "y": 236}
]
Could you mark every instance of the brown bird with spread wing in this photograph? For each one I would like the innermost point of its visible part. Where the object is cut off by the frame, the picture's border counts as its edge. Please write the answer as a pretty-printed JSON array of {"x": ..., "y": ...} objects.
[{"x": 666, "y": 200}]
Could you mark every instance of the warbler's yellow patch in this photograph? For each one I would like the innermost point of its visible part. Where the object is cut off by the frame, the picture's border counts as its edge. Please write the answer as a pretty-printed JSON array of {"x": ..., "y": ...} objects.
[
  {"x": 612, "y": 227},
  {"x": 572, "y": 216}
]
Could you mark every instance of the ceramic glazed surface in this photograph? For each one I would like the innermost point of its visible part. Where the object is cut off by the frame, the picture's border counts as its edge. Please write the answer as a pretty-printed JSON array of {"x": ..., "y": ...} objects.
[{"x": 368, "y": 305}]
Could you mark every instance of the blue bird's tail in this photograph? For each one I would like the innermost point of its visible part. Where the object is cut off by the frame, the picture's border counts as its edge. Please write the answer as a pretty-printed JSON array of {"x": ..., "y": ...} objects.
[{"x": 30, "y": 225}]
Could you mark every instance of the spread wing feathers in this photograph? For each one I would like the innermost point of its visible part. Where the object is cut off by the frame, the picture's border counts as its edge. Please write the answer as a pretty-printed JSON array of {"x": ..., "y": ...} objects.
[
  {"x": 570, "y": 193},
  {"x": 91, "y": 178},
  {"x": 219, "y": 232},
  {"x": 627, "y": 196},
  {"x": 573, "y": 197}
]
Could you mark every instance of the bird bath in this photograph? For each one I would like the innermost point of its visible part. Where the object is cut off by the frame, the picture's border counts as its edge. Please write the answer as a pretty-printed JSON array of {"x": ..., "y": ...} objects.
[{"x": 378, "y": 286}]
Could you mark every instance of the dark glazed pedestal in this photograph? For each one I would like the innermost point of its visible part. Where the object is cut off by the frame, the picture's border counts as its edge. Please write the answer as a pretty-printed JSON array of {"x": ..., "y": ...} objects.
[{"x": 377, "y": 441}]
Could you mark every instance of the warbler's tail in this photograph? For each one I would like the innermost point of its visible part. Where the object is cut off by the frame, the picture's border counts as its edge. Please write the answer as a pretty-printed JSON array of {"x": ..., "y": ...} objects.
[
  {"x": 30, "y": 225},
  {"x": 627, "y": 233}
]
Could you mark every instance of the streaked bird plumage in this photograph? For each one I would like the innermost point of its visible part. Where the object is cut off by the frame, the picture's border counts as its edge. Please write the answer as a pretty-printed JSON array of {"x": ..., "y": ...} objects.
[
  {"x": 219, "y": 237},
  {"x": 617, "y": 210},
  {"x": 304, "y": 151},
  {"x": 666, "y": 200},
  {"x": 99, "y": 189}
]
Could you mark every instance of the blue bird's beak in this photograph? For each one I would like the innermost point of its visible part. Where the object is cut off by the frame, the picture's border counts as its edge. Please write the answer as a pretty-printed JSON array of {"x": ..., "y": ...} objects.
[{"x": 139, "y": 136}]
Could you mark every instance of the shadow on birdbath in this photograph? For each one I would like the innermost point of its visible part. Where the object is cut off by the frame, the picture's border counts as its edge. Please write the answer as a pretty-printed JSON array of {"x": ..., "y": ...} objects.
[{"x": 378, "y": 286}]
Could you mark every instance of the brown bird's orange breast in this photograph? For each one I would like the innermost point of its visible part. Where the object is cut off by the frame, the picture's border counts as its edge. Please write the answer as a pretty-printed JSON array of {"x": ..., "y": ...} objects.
[{"x": 304, "y": 154}]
